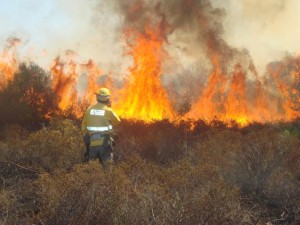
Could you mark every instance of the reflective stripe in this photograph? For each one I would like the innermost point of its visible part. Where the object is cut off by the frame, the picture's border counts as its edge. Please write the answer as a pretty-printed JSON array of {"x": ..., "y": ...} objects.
[
  {"x": 96, "y": 112},
  {"x": 99, "y": 128}
]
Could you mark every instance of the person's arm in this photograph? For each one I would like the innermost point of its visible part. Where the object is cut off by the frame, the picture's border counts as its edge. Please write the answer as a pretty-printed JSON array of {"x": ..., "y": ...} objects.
[{"x": 114, "y": 118}]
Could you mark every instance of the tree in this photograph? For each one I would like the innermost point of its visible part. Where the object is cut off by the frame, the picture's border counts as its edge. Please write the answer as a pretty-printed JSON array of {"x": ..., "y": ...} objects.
[{"x": 27, "y": 100}]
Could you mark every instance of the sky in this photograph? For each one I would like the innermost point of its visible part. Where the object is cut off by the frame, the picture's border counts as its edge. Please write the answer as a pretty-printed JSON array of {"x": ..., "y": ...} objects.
[
  {"x": 48, "y": 28},
  {"x": 268, "y": 29}
]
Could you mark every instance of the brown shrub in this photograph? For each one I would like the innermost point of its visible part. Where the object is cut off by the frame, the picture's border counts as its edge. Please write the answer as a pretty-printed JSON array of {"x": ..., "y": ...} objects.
[
  {"x": 164, "y": 174},
  {"x": 160, "y": 142},
  {"x": 57, "y": 146},
  {"x": 137, "y": 192},
  {"x": 263, "y": 169},
  {"x": 18, "y": 201}
]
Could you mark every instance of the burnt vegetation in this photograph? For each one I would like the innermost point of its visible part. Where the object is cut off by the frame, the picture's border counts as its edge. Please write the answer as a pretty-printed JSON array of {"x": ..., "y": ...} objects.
[{"x": 164, "y": 173}]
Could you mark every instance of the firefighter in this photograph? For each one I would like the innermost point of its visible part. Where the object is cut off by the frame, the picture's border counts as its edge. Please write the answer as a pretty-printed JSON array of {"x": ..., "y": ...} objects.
[{"x": 97, "y": 128}]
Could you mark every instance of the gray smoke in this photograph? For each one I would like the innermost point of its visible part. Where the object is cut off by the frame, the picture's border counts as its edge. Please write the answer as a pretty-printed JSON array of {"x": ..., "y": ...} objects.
[{"x": 193, "y": 33}]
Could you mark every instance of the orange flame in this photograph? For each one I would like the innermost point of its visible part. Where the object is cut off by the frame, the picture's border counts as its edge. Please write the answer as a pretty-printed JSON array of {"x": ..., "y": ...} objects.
[
  {"x": 287, "y": 81},
  {"x": 227, "y": 97},
  {"x": 66, "y": 77},
  {"x": 8, "y": 62},
  {"x": 209, "y": 104},
  {"x": 236, "y": 105},
  {"x": 143, "y": 96}
]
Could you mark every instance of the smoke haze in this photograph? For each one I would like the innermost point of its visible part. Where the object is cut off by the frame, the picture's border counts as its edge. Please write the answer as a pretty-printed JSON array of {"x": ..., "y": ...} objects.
[
  {"x": 216, "y": 55},
  {"x": 268, "y": 29}
]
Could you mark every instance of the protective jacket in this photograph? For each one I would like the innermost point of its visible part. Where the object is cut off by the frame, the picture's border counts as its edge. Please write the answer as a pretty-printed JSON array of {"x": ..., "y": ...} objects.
[{"x": 99, "y": 120}]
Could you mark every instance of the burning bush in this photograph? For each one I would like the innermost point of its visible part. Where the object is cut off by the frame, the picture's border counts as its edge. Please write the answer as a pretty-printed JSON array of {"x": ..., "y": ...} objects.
[{"x": 27, "y": 99}]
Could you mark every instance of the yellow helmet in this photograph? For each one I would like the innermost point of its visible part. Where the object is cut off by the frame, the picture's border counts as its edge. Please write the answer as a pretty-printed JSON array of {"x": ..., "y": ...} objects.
[
  {"x": 103, "y": 95},
  {"x": 103, "y": 91}
]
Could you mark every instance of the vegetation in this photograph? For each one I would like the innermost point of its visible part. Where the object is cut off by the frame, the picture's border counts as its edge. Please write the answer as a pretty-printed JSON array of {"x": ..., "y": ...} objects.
[
  {"x": 27, "y": 100},
  {"x": 163, "y": 174}
]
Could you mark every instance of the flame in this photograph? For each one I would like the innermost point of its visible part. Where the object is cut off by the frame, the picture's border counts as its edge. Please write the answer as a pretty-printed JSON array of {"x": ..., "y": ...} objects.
[
  {"x": 38, "y": 101},
  {"x": 8, "y": 62},
  {"x": 227, "y": 96},
  {"x": 236, "y": 104},
  {"x": 287, "y": 81},
  {"x": 209, "y": 106},
  {"x": 143, "y": 96},
  {"x": 66, "y": 77}
]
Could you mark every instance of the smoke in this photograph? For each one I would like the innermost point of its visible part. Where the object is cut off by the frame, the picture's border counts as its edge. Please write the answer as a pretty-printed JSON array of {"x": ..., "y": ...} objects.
[
  {"x": 195, "y": 22},
  {"x": 192, "y": 31},
  {"x": 268, "y": 29},
  {"x": 207, "y": 44}
]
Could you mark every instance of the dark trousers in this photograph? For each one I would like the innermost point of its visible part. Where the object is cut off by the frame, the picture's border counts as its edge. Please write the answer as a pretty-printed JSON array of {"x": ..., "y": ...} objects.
[
  {"x": 103, "y": 153},
  {"x": 87, "y": 142}
]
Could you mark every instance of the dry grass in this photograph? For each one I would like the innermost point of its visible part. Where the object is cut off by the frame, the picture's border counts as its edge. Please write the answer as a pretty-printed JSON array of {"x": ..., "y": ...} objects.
[{"x": 163, "y": 174}]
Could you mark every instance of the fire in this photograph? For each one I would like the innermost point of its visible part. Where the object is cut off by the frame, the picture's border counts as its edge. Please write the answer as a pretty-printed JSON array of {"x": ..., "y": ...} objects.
[
  {"x": 8, "y": 62},
  {"x": 226, "y": 96},
  {"x": 287, "y": 81},
  {"x": 236, "y": 104},
  {"x": 223, "y": 98},
  {"x": 209, "y": 104},
  {"x": 143, "y": 96},
  {"x": 230, "y": 98},
  {"x": 66, "y": 77},
  {"x": 66, "y": 74},
  {"x": 38, "y": 100}
]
